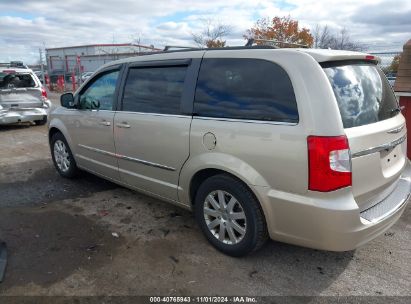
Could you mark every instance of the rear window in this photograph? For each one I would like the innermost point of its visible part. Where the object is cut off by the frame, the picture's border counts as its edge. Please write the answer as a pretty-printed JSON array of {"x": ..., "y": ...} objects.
[
  {"x": 363, "y": 94},
  {"x": 9, "y": 81},
  {"x": 251, "y": 89}
]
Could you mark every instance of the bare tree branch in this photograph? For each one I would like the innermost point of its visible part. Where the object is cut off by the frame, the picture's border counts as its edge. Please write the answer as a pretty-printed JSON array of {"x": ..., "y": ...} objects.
[
  {"x": 212, "y": 35},
  {"x": 324, "y": 39}
]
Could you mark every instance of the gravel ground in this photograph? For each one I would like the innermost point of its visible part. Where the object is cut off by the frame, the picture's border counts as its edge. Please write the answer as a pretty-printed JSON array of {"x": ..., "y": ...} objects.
[{"x": 59, "y": 234}]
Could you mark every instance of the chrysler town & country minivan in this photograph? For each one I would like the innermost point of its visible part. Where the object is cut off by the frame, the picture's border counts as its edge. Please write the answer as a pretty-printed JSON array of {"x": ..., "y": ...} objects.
[{"x": 304, "y": 146}]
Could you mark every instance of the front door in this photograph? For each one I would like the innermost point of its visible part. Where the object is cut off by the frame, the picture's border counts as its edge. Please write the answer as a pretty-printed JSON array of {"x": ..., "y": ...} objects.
[{"x": 92, "y": 125}]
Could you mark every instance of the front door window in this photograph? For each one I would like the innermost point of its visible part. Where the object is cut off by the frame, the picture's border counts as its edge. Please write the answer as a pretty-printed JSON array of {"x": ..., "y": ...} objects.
[{"x": 99, "y": 95}]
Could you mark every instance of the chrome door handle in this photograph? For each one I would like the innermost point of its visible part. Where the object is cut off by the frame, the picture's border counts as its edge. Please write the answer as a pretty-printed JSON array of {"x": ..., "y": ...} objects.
[
  {"x": 105, "y": 123},
  {"x": 123, "y": 125}
]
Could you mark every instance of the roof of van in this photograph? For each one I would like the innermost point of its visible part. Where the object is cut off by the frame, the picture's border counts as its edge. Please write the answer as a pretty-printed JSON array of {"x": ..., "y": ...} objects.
[
  {"x": 15, "y": 70},
  {"x": 320, "y": 55}
]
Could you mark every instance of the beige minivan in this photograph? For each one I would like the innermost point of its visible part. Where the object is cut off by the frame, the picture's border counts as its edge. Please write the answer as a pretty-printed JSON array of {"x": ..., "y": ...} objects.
[{"x": 303, "y": 146}]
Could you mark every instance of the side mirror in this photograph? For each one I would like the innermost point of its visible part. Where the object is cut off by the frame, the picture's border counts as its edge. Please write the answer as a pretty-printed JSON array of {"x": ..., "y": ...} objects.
[{"x": 67, "y": 100}]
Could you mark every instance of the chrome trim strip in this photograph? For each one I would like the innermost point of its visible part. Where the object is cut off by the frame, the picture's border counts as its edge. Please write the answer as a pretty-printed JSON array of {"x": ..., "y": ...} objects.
[
  {"x": 247, "y": 121},
  {"x": 380, "y": 147},
  {"x": 154, "y": 114},
  {"x": 146, "y": 178},
  {"x": 144, "y": 162},
  {"x": 396, "y": 130}
]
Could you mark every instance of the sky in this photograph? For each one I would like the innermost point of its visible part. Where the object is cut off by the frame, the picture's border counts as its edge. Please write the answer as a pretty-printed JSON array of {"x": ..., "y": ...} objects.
[{"x": 27, "y": 25}]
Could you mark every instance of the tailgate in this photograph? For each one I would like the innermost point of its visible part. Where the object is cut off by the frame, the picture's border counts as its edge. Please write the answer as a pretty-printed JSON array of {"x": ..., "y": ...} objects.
[
  {"x": 374, "y": 127},
  {"x": 21, "y": 98},
  {"x": 21, "y": 91},
  {"x": 379, "y": 156}
]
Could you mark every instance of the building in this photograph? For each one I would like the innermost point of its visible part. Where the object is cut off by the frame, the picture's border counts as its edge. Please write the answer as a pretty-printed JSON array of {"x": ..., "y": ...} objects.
[{"x": 88, "y": 58}]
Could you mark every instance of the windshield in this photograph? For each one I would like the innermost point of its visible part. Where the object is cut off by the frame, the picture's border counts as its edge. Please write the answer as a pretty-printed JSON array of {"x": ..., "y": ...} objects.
[
  {"x": 12, "y": 80},
  {"x": 363, "y": 93}
]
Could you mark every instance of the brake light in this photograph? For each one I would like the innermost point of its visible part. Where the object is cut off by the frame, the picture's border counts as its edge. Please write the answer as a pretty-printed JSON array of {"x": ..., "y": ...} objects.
[
  {"x": 329, "y": 165},
  {"x": 369, "y": 57},
  {"x": 43, "y": 93}
]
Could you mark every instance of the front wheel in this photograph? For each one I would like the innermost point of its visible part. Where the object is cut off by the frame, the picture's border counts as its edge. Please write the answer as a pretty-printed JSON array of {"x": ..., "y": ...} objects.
[
  {"x": 230, "y": 216},
  {"x": 62, "y": 157}
]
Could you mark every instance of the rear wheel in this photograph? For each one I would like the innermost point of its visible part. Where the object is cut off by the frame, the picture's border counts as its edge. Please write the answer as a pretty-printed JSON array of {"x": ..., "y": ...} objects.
[
  {"x": 230, "y": 216},
  {"x": 41, "y": 121},
  {"x": 62, "y": 157}
]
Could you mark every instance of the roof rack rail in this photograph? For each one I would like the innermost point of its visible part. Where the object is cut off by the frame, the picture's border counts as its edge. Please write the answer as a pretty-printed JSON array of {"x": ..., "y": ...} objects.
[
  {"x": 168, "y": 47},
  {"x": 274, "y": 43},
  {"x": 14, "y": 64}
]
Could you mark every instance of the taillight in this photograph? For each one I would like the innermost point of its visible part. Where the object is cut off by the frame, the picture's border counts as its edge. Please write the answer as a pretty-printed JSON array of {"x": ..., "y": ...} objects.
[
  {"x": 329, "y": 165},
  {"x": 43, "y": 93}
]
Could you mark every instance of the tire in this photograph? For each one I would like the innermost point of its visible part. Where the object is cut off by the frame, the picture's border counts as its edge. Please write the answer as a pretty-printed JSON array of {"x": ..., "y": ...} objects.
[
  {"x": 62, "y": 156},
  {"x": 242, "y": 212},
  {"x": 41, "y": 122}
]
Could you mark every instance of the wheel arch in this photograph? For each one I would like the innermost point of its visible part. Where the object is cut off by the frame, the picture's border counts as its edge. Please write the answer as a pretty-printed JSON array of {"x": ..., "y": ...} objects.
[
  {"x": 56, "y": 126},
  {"x": 198, "y": 169}
]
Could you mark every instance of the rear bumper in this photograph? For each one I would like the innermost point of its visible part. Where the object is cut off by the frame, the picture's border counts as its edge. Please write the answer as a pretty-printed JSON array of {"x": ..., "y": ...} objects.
[
  {"x": 9, "y": 116},
  {"x": 331, "y": 221}
]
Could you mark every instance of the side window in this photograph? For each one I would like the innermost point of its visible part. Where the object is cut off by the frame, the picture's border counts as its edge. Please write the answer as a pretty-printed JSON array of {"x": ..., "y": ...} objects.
[
  {"x": 154, "y": 89},
  {"x": 252, "y": 89},
  {"x": 100, "y": 93}
]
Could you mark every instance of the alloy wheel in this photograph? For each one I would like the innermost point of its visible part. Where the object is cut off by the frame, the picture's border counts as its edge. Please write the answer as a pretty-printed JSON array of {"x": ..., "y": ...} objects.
[
  {"x": 225, "y": 217},
  {"x": 61, "y": 155}
]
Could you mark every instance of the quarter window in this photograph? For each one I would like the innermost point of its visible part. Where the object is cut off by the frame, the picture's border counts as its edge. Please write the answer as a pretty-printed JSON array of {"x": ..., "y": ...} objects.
[
  {"x": 251, "y": 89},
  {"x": 154, "y": 90},
  {"x": 100, "y": 93}
]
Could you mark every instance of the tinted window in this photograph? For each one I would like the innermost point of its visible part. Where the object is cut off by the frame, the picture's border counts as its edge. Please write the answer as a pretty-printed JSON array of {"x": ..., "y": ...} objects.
[
  {"x": 245, "y": 89},
  {"x": 154, "y": 90},
  {"x": 363, "y": 94},
  {"x": 100, "y": 93}
]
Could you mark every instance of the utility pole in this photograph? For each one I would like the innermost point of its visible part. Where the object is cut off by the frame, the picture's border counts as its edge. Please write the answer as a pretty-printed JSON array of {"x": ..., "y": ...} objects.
[{"x": 42, "y": 66}]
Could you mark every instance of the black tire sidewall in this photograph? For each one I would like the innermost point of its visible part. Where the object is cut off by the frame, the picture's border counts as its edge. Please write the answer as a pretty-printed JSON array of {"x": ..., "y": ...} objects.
[
  {"x": 41, "y": 122},
  {"x": 72, "y": 171},
  {"x": 248, "y": 203}
]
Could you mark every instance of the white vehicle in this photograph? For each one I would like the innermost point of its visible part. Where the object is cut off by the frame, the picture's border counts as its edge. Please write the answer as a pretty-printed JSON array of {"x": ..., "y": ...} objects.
[
  {"x": 22, "y": 96},
  {"x": 86, "y": 76}
]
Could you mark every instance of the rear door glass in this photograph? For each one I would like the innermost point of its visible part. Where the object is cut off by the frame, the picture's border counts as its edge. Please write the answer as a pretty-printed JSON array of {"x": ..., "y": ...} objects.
[{"x": 363, "y": 93}]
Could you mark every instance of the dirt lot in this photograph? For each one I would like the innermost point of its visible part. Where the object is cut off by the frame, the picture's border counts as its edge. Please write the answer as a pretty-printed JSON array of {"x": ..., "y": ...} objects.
[{"x": 59, "y": 234}]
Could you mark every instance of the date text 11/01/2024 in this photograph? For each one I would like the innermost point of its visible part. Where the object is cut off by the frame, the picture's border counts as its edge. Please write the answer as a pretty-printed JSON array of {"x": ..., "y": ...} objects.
[{"x": 239, "y": 299}]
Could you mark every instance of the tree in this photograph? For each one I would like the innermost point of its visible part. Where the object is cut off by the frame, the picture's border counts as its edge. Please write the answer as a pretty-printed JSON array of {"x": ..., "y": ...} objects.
[
  {"x": 283, "y": 29},
  {"x": 212, "y": 35},
  {"x": 393, "y": 67},
  {"x": 324, "y": 38}
]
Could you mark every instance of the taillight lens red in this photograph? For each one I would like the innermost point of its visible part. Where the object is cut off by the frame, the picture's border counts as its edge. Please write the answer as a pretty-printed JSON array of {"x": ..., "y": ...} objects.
[
  {"x": 329, "y": 163},
  {"x": 43, "y": 92}
]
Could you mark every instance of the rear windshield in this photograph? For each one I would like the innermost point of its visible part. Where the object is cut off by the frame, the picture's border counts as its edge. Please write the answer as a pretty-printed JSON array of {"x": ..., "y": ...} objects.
[
  {"x": 12, "y": 80},
  {"x": 363, "y": 93}
]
